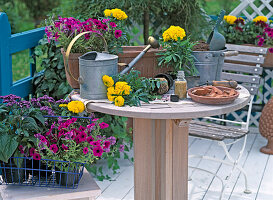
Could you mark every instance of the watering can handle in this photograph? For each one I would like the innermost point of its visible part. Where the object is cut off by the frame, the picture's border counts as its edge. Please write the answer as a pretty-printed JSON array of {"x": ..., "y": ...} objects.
[
  {"x": 70, "y": 47},
  {"x": 220, "y": 19}
]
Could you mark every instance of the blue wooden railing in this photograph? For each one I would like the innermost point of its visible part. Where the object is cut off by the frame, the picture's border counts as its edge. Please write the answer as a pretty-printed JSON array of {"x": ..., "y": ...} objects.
[{"x": 10, "y": 44}]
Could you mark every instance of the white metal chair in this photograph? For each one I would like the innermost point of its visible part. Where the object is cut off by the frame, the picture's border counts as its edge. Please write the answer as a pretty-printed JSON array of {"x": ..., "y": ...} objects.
[{"x": 246, "y": 70}]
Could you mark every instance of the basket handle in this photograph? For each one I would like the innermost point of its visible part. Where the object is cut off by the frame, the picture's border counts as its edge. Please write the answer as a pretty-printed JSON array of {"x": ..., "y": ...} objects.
[{"x": 70, "y": 47}]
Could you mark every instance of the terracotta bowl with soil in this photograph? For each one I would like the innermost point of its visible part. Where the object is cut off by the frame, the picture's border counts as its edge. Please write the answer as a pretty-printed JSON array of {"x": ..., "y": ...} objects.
[{"x": 213, "y": 95}]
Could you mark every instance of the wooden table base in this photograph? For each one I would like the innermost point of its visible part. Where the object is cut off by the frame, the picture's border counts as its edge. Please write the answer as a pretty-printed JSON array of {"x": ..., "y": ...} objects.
[{"x": 161, "y": 159}]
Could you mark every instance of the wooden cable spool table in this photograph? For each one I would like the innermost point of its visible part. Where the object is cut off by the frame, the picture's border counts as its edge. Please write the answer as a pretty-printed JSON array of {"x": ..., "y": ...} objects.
[{"x": 161, "y": 142}]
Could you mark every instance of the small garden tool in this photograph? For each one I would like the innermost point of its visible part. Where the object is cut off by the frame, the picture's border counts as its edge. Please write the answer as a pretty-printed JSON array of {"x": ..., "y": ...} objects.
[{"x": 216, "y": 40}]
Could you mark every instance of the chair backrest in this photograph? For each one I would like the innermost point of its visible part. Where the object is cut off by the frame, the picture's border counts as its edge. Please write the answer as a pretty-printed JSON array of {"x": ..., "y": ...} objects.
[{"x": 246, "y": 67}]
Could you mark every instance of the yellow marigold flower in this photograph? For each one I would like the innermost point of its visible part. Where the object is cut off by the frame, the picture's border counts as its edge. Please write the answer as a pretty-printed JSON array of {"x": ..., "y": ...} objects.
[
  {"x": 111, "y": 90},
  {"x": 230, "y": 19},
  {"x": 260, "y": 18},
  {"x": 173, "y": 33},
  {"x": 75, "y": 106},
  {"x": 119, "y": 14},
  {"x": 111, "y": 97},
  {"x": 108, "y": 81},
  {"x": 107, "y": 13},
  {"x": 63, "y": 105},
  {"x": 120, "y": 85},
  {"x": 126, "y": 89},
  {"x": 119, "y": 101}
]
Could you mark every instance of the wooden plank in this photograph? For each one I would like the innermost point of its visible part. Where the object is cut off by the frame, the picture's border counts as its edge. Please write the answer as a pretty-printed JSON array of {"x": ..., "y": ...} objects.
[
  {"x": 25, "y": 40},
  {"x": 243, "y": 68},
  {"x": 22, "y": 87},
  {"x": 144, "y": 157},
  {"x": 129, "y": 195},
  {"x": 247, "y": 49},
  {"x": 5, "y": 58},
  {"x": 265, "y": 191},
  {"x": 120, "y": 188},
  {"x": 241, "y": 78},
  {"x": 254, "y": 167},
  {"x": 246, "y": 59},
  {"x": 223, "y": 170},
  {"x": 180, "y": 161}
]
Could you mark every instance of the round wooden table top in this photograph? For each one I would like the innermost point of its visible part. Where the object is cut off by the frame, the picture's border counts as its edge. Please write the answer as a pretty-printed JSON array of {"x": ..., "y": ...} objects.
[{"x": 186, "y": 109}]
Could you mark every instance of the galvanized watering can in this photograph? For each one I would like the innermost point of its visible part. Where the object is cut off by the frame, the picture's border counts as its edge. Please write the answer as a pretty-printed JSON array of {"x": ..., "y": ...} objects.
[{"x": 93, "y": 65}]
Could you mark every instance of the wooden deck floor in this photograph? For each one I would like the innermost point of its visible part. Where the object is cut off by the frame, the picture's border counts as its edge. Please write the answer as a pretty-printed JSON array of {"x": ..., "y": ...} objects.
[{"x": 258, "y": 166}]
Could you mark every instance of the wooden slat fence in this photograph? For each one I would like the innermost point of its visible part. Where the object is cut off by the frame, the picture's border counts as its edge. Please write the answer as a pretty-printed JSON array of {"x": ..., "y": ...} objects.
[{"x": 10, "y": 44}]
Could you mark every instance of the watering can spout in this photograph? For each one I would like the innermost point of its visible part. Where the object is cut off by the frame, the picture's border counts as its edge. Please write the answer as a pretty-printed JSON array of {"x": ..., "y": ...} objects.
[{"x": 153, "y": 43}]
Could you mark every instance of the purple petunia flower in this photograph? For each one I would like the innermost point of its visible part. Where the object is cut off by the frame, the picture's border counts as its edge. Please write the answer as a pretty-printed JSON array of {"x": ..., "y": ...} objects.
[
  {"x": 85, "y": 150},
  {"x": 31, "y": 151},
  {"x": 112, "y": 139},
  {"x": 106, "y": 144},
  {"x": 121, "y": 148},
  {"x": 103, "y": 125},
  {"x": 118, "y": 33},
  {"x": 36, "y": 156},
  {"x": 54, "y": 148},
  {"x": 97, "y": 151},
  {"x": 270, "y": 50},
  {"x": 113, "y": 24}
]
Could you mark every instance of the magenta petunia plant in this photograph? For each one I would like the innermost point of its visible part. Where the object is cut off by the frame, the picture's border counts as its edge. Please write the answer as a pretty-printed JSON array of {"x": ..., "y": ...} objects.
[
  {"x": 266, "y": 39},
  {"x": 63, "y": 30},
  {"x": 69, "y": 141}
]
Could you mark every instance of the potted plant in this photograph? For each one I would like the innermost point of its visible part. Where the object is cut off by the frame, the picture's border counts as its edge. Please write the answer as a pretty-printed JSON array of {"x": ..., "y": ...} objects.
[
  {"x": 64, "y": 30},
  {"x": 177, "y": 54},
  {"x": 246, "y": 32}
]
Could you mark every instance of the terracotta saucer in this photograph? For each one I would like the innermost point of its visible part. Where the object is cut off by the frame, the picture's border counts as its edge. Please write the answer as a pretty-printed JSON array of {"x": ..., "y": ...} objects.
[{"x": 213, "y": 100}]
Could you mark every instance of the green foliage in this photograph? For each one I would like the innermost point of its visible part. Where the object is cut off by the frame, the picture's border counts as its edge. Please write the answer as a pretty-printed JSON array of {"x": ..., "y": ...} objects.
[
  {"x": 142, "y": 89},
  {"x": 242, "y": 32},
  {"x": 18, "y": 15},
  {"x": 178, "y": 55},
  {"x": 18, "y": 126},
  {"x": 118, "y": 129},
  {"x": 52, "y": 81},
  {"x": 184, "y": 13}
]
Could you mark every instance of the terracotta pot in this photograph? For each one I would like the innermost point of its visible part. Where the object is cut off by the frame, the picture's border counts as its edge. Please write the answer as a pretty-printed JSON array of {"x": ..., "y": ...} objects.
[
  {"x": 147, "y": 65},
  {"x": 268, "y": 62},
  {"x": 73, "y": 64},
  {"x": 266, "y": 127}
]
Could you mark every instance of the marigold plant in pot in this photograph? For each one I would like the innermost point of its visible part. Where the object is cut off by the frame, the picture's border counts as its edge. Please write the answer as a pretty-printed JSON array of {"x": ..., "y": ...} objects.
[
  {"x": 64, "y": 30},
  {"x": 177, "y": 53}
]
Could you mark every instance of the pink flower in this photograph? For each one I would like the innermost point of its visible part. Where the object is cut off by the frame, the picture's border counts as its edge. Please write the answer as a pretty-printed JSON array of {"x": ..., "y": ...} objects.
[
  {"x": 112, "y": 139},
  {"x": 103, "y": 125},
  {"x": 99, "y": 26},
  {"x": 31, "y": 151},
  {"x": 85, "y": 150},
  {"x": 106, "y": 150},
  {"x": 82, "y": 136},
  {"x": 89, "y": 126},
  {"x": 54, "y": 148},
  {"x": 43, "y": 139},
  {"x": 106, "y": 144},
  {"x": 90, "y": 139},
  {"x": 261, "y": 41},
  {"x": 104, "y": 27},
  {"x": 96, "y": 22},
  {"x": 95, "y": 143},
  {"x": 105, "y": 20},
  {"x": 97, "y": 151},
  {"x": 64, "y": 147},
  {"x": 36, "y": 156},
  {"x": 113, "y": 24},
  {"x": 270, "y": 50},
  {"x": 95, "y": 119},
  {"x": 121, "y": 148},
  {"x": 118, "y": 33}
]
